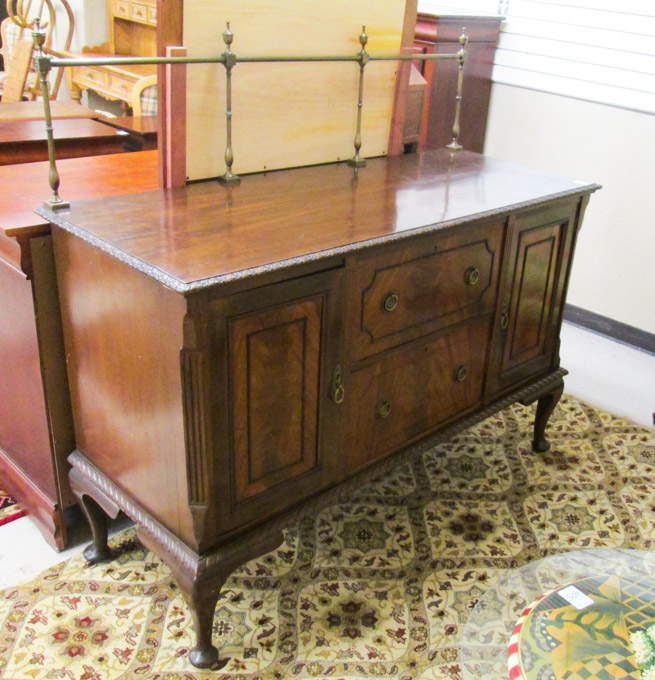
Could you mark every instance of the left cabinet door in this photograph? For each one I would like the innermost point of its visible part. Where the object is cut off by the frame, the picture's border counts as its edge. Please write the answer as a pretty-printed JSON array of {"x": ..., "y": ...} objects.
[{"x": 275, "y": 353}]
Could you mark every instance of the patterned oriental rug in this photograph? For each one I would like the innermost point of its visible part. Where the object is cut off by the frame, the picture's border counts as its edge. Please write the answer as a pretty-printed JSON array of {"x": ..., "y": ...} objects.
[
  {"x": 9, "y": 509},
  {"x": 377, "y": 588}
]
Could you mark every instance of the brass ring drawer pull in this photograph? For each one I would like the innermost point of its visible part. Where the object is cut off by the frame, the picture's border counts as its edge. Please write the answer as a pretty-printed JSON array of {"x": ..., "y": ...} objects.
[
  {"x": 461, "y": 374},
  {"x": 471, "y": 276},
  {"x": 389, "y": 302},
  {"x": 504, "y": 320},
  {"x": 383, "y": 409},
  {"x": 338, "y": 390}
]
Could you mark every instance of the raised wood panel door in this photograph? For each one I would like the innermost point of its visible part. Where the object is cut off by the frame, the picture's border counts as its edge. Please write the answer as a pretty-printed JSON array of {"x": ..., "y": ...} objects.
[
  {"x": 281, "y": 347},
  {"x": 531, "y": 297}
]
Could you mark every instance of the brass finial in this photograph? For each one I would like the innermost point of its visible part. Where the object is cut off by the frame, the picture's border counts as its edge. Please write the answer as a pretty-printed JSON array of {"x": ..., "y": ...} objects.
[
  {"x": 229, "y": 62},
  {"x": 43, "y": 66},
  {"x": 363, "y": 38},
  {"x": 228, "y": 36},
  {"x": 461, "y": 59},
  {"x": 38, "y": 35},
  {"x": 357, "y": 161}
]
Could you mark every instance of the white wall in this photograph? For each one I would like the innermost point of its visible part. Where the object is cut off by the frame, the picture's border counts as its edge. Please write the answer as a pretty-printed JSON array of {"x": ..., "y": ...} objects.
[
  {"x": 614, "y": 267},
  {"x": 90, "y": 23}
]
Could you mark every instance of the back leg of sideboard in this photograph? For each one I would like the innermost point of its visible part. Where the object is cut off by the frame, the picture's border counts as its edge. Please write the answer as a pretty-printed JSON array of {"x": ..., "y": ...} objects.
[
  {"x": 546, "y": 403},
  {"x": 97, "y": 509}
]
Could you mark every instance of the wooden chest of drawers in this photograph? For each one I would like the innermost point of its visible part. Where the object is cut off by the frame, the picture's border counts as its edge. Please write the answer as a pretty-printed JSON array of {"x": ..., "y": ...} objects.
[{"x": 238, "y": 357}]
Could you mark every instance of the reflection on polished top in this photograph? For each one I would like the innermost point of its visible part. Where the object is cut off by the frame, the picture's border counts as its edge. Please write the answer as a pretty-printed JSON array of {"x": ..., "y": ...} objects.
[{"x": 205, "y": 233}]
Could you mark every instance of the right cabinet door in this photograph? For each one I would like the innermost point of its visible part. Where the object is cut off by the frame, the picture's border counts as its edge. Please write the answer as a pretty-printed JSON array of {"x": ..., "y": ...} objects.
[{"x": 531, "y": 298}]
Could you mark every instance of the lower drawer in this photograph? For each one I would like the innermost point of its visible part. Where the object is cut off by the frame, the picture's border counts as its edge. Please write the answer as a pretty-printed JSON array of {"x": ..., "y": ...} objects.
[{"x": 409, "y": 392}]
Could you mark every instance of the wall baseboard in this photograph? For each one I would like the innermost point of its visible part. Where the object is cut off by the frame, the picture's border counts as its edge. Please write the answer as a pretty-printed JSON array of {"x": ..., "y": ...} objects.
[{"x": 611, "y": 328}]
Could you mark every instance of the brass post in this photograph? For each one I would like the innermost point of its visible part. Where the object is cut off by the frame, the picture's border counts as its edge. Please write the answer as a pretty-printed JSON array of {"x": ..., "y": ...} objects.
[
  {"x": 356, "y": 161},
  {"x": 461, "y": 58},
  {"x": 43, "y": 66},
  {"x": 230, "y": 60}
]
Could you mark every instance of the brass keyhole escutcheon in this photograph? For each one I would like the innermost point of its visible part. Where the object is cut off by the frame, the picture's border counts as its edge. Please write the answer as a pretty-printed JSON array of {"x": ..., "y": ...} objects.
[
  {"x": 383, "y": 409},
  {"x": 471, "y": 276},
  {"x": 461, "y": 373},
  {"x": 504, "y": 318},
  {"x": 389, "y": 302}
]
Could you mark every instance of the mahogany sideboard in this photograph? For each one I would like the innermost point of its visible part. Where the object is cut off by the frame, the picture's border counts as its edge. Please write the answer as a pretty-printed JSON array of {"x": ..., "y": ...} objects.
[
  {"x": 36, "y": 428},
  {"x": 240, "y": 356}
]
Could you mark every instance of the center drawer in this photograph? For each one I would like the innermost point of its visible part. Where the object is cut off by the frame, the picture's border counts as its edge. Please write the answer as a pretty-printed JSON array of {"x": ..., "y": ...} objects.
[
  {"x": 408, "y": 291},
  {"x": 406, "y": 393}
]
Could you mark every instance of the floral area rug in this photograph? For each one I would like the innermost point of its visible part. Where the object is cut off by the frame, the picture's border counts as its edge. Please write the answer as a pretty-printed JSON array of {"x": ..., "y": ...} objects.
[
  {"x": 9, "y": 509},
  {"x": 376, "y": 588}
]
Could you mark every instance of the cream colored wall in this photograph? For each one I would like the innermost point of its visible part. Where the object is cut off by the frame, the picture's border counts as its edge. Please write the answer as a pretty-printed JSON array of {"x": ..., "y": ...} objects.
[{"x": 614, "y": 267}]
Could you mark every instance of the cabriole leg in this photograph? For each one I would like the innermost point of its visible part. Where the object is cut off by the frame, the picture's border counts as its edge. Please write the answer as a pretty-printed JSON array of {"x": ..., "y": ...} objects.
[
  {"x": 98, "y": 550},
  {"x": 545, "y": 407},
  {"x": 204, "y": 654}
]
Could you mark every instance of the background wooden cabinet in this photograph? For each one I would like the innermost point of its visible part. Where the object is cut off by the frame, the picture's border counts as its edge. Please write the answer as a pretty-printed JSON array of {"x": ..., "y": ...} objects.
[{"x": 440, "y": 34}]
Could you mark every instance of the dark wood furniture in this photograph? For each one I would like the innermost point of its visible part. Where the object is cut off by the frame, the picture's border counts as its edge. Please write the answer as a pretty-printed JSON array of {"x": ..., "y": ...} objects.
[
  {"x": 141, "y": 131},
  {"x": 440, "y": 34},
  {"x": 25, "y": 141},
  {"x": 34, "y": 110},
  {"x": 36, "y": 429},
  {"x": 238, "y": 357}
]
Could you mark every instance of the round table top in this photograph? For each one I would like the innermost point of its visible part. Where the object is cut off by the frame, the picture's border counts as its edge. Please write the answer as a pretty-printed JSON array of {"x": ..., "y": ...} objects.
[{"x": 567, "y": 616}]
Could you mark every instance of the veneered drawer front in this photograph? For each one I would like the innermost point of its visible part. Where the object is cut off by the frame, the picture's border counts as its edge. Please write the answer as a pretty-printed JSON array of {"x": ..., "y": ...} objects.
[
  {"x": 121, "y": 87},
  {"x": 122, "y": 9},
  {"x": 409, "y": 392},
  {"x": 414, "y": 290},
  {"x": 139, "y": 12},
  {"x": 91, "y": 76}
]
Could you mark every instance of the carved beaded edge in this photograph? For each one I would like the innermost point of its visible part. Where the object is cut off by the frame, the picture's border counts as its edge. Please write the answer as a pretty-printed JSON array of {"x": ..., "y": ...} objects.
[
  {"x": 175, "y": 284},
  {"x": 178, "y": 550}
]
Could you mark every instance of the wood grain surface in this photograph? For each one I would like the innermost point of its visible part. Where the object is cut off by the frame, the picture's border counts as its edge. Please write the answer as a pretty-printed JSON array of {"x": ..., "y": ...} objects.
[
  {"x": 24, "y": 187},
  {"x": 286, "y": 115},
  {"x": 204, "y": 230}
]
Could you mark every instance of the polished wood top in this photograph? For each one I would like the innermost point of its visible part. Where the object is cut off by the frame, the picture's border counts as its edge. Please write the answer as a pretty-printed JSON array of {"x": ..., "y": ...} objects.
[
  {"x": 34, "y": 110},
  {"x": 22, "y": 131},
  {"x": 24, "y": 187},
  {"x": 205, "y": 233},
  {"x": 140, "y": 125}
]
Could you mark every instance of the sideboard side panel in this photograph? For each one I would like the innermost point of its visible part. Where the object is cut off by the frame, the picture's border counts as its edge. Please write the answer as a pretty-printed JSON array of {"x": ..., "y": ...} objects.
[{"x": 123, "y": 333}]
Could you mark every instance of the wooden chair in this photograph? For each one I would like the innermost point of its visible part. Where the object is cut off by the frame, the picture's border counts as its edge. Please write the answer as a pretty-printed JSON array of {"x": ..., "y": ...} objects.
[
  {"x": 144, "y": 96},
  {"x": 16, "y": 77},
  {"x": 17, "y": 27}
]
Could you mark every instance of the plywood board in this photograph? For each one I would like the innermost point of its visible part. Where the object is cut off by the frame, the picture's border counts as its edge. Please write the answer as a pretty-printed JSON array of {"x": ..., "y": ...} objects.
[{"x": 287, "y": 115}]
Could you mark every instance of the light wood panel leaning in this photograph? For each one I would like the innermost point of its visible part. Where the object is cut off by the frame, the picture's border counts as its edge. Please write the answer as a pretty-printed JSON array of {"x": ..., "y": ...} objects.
[{"x": 288, "y": 114}]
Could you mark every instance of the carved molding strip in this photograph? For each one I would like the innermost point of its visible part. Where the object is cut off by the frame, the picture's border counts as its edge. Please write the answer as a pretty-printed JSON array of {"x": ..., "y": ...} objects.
[
  {"x": 195, "y": 435},
  {"x": 261, "y": 535},
  {"x": 162, "y": 536},
  {"x": 181, "y": 287}
]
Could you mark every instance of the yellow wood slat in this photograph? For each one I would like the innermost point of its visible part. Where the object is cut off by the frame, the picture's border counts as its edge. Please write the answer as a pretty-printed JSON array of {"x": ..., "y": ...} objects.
[{"x": 286, "y": 115}]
